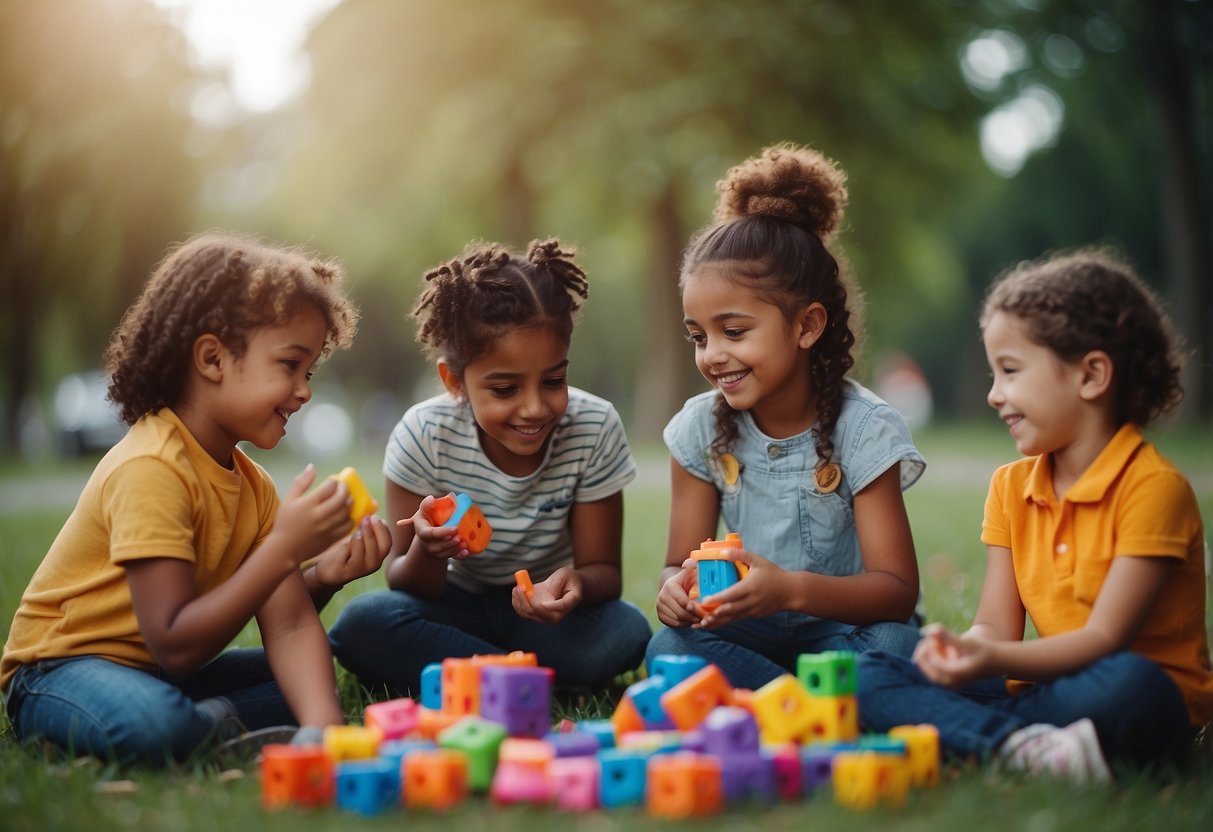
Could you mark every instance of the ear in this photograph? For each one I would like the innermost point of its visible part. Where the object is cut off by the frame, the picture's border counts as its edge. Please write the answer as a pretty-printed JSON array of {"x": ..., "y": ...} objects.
[
  {"x": 1097, "y": 372},
  {"x": 449, "y": 380},
  {"x": 209, "y": 356},
  {"x": 810, "y": 324}
]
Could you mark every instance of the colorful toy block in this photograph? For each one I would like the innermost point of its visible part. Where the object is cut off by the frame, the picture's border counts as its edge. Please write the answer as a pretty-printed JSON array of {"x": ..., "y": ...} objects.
[
  {"x": 862, "y": 779},
  {"x": 480, "y": 741},
  {"x": 465, "y": 516},
  {"x": 436, "y": 779},
  {"x": 393, "y": 719},
  {"x": 626, "y": 718},
  {"x": 573, "y": 783},
  {"x": 294, "y": 774},
  {"x": 623, "y": 777},
  {"x": 653, "y": 741},
  {"x": 574, "y": 744},
  {"x": 431, "y": 686},
  {"x": 522, "y": 772},
  {"x": 396, "y": 750},
  {"x": 689, "y": 702},
  {"x": 515, "y": 658},
  {"x": 675, "y": 668},
  {"x": 730, "y": 731},
  {"x": 831, "y": 673},
  {"x": 785, "y": 764},
  {"x": 367, "y": 787},
  {"x": 517, "y": 697},
  {"x": 784, "y": 710},
  {"x": 361, "y": 503},
  {"x": 922, "y": 752},
  {"x": 431, "y": 723},
  {"x": 460, "y": 686},
  {"x": 600, "y": 729},
  {"x": 834, "y": 719},
  {"x": 684, "y": 785},
  {"x": 748, "y": 776},
  {"x": 351, "y": 742},
  {"x": 817, "y": 765},
  {"x": 646, "y": 696},
  {"x": 523, "y": 579}
]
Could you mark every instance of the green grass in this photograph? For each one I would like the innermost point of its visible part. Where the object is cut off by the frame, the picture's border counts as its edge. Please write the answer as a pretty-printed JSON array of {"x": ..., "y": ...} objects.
[{"x": 43, "y": 792}]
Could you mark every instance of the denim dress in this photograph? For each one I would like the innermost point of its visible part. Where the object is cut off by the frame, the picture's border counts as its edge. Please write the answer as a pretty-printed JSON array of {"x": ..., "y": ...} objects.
[{"x": 770, "y": 496}]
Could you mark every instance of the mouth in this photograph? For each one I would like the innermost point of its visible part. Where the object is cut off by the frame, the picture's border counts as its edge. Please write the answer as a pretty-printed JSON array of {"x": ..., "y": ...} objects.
[
  {"x": 1011, "y": 420},
  {"x": 284, "y": 415},
  {"x": 729, "y": 379},
  {"x": 528, "y": 431}
]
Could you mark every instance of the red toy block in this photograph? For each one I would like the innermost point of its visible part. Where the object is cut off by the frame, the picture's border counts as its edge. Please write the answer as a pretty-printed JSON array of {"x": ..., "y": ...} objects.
[{"x": 295, "y": 774}]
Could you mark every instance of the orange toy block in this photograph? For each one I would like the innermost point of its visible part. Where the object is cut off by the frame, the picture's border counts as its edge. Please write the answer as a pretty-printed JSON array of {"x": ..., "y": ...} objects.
[
  {"x": 862, "y": 779},
  {"x": 525, "y": 751},
  {"x": 684, "y": 785},
  {"x": 690, "y": 701},
  {"x": 516, "y": 658},
  {"x": 459, "y": 511},
  {"x": 626, "y": 718},
  {"x": 363, "y": 504},
  {"x": 922, "y": 751},
  {"x": 834, "y": 719},
  {"x": 294, "y": 774},
  {"x": 523, "y": 578},
  {"x": 460, "y": 686},
  {"x": 784, "y": 710},
  {"x": 351, "y": 742},
  {"x": 434, "y": 778},
  {"x": 431, "y": 722}
]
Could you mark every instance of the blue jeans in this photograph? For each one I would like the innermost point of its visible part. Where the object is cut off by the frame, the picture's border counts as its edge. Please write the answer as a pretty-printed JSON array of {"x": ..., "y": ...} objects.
[
  {"x": 753, "y": 651},
  {"x": 1138, "y": 711},
  {"x": 387, "y": 638},
  {"x": 93, "y": 706}
]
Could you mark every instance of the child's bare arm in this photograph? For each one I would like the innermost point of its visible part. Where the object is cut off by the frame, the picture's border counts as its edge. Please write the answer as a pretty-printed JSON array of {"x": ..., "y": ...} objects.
[
  {"x": 420, "y": 550},
  {"x": 694, "y": 515}
]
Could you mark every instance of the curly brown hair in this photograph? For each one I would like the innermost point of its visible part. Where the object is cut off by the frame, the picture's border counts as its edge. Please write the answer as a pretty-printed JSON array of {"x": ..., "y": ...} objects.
[
  {"x": 773, "y": 218},
  {"x": 471, "y": 301},
  {"x": 1091, "y": 299},
  {"x": 223, "y": 283}
]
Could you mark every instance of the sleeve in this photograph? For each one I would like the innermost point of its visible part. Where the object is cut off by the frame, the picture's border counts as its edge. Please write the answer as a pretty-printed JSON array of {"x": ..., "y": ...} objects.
[
  {"x": 688, "y": 437},
  {"x": 1159, "y": 517},
  {"x": 885, "y": 440},
  {"x": 148, "y": 512},
  {"x": 409, "y": 459},
  {"x": 610, "y": 466},
  {"x": 995, "y": 530}
]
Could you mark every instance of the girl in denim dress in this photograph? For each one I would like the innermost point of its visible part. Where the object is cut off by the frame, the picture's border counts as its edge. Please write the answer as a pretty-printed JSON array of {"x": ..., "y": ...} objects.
[{"x": 804, "y": 463}]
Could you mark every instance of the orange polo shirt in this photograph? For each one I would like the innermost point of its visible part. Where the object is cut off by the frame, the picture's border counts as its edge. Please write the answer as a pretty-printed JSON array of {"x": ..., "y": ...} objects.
[{"x": 1131, "y": 502}]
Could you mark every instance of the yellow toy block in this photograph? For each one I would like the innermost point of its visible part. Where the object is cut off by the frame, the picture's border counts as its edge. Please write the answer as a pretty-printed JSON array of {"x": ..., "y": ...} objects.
[
  {"x": 922, "y": 751},
  {"x": 351, "y": 742},
  {"x": 833, "y": 719},
  {"x": 362, "y": 505},
  {"x": 862, "y": 779},
  {"x": 783, "y": 709}
]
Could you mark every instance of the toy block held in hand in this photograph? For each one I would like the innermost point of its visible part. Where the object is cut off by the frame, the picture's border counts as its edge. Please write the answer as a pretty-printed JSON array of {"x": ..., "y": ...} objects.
[
  {"x": 523, "y": 578},
  {"x": 715, "y": 573},
  {"x": 362, "y": 503},
  {"x": 465, "y": 516}
]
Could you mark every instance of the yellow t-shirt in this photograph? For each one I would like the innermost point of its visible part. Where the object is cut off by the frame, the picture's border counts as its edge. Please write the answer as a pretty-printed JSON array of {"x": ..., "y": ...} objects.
[
  {"x": 1131, "y": 502},
  {"x": 156, "y": 494}
]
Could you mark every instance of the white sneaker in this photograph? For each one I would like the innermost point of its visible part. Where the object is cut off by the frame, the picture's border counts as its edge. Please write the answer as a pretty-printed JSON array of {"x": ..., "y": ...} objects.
[{"x": 1072, "y": 752}]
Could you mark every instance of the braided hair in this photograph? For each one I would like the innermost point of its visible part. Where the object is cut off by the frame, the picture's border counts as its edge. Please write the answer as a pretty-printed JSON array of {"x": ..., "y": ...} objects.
[
  {"x": 224, "y": 283},
  {"x": 471, "y": 301},
  {"x": 774, "y": 215}
]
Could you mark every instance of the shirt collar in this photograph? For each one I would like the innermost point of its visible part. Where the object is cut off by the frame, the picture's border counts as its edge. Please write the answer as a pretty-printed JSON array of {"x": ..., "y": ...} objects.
[{"x": 1095, "y": 481}]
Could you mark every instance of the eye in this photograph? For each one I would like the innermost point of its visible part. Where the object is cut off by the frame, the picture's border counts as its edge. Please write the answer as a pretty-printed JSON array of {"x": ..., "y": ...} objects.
[
  {"x": 504, "y": 391},
  {"x": 733, "y": 332},
  {"x": 697, "y": 338},
  {"x": 308, "y": 375},
  {"x": 556, "y": 383}
]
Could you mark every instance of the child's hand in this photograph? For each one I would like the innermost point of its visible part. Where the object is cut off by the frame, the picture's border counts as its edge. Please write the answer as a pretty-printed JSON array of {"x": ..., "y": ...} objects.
[
  {"x": 355, "y": 556},
  {"x": 948, "y": 659},
  {"x": 550, "y": 600},
  {"x": 761, "y": 593},
  {"x": 441, "y": 542},
  {"x": 674, "y": 605},
  {"x": 308, "y": 523}
]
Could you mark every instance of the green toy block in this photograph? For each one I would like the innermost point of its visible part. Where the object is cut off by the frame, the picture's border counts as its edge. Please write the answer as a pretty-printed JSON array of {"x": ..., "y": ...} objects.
[
  {"x": 831, "y": 673},
  {"x": 479, "y": 740}
]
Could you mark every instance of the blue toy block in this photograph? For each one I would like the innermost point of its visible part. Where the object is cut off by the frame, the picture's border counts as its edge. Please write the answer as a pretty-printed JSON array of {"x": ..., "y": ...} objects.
[
  {"x": 431, "y": 686},
  {"x": 676, "y": 668},
  {"x": 395, "y": 751},
  {"x": 882, "y": 744},
  {"x": 600, "y": 729},
  {"x": 367, "y": 786},
  {"x": 624, "y": 775},
  {"x": 646, "y": 696},
  {"x": 715, "y": 576}
]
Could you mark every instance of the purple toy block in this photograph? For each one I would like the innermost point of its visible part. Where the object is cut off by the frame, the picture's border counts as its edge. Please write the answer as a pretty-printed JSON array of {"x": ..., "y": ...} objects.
[
  {"x": 575, "y": 744},
  {"x": 789, "y": 776},
  {"x": 518, "y": 698},
  {"x": 694, "y": 740},
  {"x": 747, "y": 775},
  {"x": 817, "y": 764},
  {"x": 728, "y": 731}
]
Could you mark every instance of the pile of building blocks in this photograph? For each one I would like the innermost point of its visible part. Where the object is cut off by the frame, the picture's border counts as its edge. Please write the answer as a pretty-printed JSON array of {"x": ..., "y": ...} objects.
[{"x": 681, "y": 743}]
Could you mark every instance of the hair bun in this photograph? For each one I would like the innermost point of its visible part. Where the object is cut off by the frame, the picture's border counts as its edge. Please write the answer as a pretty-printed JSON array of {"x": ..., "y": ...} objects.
[
  {"x": 543, "y": 252},
  {"x": 785, "y": 182}
]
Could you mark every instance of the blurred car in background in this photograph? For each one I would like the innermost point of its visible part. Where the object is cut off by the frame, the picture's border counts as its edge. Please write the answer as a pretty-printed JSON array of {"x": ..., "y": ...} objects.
[{"x": 86, "y": 422}]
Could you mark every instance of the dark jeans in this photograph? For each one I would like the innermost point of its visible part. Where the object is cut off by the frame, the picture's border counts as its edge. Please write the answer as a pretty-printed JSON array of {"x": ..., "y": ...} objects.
[
  {"x": 93, "y": 706},
  {"x": 387, "y": 638},
  {"x": 1137, "y": 710}
]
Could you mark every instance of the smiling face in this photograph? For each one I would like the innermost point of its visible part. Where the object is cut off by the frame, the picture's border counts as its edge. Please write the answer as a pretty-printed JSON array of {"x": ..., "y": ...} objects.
[
  {"x": 1036, "y": 394},
  {"x": 518, "y": 392},
  {"x": 746, "y": 348}
]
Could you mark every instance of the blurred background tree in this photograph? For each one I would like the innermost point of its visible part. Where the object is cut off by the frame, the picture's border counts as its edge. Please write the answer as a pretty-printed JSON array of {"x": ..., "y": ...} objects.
[{"x": 975, "y": 133}]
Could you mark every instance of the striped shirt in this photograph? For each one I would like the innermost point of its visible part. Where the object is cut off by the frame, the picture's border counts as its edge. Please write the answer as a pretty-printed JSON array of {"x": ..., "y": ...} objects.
[{"x": 435, "y": 449}]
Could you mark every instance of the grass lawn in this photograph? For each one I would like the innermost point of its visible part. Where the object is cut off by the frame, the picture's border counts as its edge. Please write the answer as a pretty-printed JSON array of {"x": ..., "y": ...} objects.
[{"x": 41, "y": 792}]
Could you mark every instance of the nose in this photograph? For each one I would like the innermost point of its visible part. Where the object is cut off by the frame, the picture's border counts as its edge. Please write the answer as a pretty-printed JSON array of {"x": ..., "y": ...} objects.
[
  {"x": 533, "y": 406},
  {"x": 994, "y": 395},
  {"x": 714, "y": 352},
  {"x": 303, "y": 391}
]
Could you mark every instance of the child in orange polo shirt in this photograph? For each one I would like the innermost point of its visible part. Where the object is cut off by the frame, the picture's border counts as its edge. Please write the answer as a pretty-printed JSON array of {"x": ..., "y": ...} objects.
[{"x": 1093, "y": 534}]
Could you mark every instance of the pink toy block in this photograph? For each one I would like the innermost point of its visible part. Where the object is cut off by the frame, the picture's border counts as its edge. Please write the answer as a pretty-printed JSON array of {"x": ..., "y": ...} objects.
[
  {"x": 517, "y": 782},
  {"x": 785, "y": 762},
  {"x": 394, "y": 719},
  {"x": 573, "y": 783}
]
